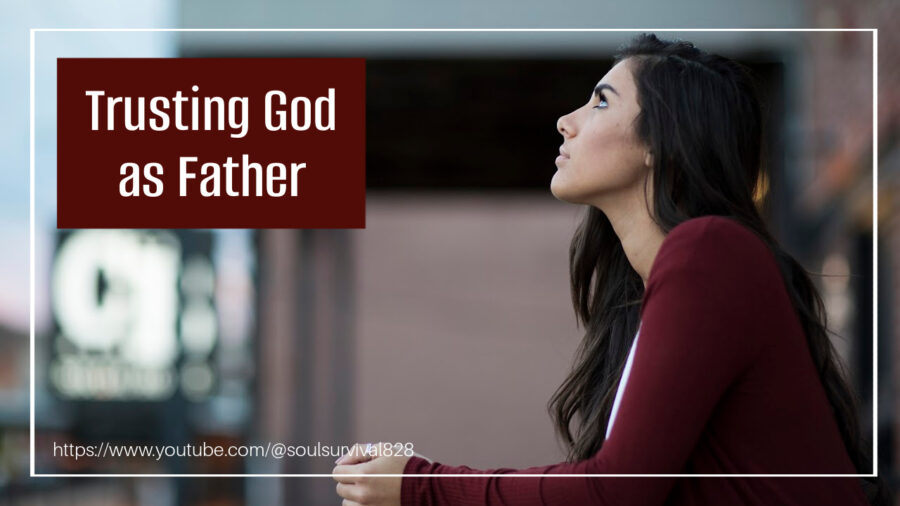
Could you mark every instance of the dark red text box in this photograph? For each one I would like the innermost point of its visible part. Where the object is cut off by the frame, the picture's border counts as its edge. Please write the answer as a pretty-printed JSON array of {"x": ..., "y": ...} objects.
[{"x": 330, "y": 187}]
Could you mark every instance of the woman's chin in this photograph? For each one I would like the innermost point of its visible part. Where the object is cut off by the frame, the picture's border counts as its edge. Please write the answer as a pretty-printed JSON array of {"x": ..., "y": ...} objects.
[{"x": 561, "y": 190}]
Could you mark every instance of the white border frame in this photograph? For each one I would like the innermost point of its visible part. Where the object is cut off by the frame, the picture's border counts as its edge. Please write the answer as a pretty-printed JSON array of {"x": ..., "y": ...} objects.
[{"x": 873, "y": 31}]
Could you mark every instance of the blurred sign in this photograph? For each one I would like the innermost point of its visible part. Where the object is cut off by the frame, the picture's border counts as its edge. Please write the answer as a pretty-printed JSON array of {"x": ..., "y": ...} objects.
[{"x": 134, "y": 314}]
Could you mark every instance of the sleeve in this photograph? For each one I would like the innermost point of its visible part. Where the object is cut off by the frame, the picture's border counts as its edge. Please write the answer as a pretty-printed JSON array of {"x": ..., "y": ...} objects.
[{"x": 699, "y": 332}]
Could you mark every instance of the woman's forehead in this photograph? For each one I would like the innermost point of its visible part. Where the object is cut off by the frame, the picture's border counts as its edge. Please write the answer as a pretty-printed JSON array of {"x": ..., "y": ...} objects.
[{"x": 619, "y": 76}]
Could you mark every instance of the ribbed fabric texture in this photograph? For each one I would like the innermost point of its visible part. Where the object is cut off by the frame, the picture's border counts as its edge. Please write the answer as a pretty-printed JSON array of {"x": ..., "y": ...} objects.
[{"x": 722, "y": 383}]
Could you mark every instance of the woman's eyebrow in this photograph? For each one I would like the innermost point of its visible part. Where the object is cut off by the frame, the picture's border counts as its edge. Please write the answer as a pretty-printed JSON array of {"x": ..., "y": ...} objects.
[{"x": 603, "y": 86}]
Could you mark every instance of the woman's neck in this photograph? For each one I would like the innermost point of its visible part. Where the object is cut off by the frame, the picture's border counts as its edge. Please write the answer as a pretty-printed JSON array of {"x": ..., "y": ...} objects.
[{"x": 641, "y": 237}]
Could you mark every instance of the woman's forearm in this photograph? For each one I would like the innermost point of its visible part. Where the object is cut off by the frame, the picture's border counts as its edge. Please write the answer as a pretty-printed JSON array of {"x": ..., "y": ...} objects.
[{"x": 483, "y": 488}]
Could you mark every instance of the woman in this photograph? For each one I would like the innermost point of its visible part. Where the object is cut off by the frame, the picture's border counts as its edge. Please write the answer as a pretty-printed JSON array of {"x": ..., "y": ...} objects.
[{"x": 705, "y": 349}]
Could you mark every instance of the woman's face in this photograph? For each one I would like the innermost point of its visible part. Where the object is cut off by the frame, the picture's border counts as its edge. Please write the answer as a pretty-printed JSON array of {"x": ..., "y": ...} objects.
[{"x": 600, "y": 156}]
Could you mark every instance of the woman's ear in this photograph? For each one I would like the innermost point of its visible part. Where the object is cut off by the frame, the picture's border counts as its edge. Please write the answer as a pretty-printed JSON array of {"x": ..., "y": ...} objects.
[{"x": 648, "y": 159}]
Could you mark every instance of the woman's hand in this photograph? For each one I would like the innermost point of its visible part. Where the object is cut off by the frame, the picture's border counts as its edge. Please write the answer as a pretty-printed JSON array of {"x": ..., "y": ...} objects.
[{"x": 369, "y": 490}]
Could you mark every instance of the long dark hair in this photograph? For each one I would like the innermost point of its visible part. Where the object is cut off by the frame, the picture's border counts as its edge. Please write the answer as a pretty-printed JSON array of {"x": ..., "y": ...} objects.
[{"x": 702, "y": 121}]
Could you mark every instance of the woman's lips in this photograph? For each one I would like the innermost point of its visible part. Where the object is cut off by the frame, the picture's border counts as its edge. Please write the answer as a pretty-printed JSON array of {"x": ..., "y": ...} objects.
[{"x": 562, "y": 156}]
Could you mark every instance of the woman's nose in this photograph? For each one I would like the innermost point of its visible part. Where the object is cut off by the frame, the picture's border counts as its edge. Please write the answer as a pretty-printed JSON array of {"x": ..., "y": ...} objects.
[{"x": 564, "y": 126}]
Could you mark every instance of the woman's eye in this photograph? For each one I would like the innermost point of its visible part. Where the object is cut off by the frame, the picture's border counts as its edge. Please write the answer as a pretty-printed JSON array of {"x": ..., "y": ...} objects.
[{"x": 601, "y": 103}]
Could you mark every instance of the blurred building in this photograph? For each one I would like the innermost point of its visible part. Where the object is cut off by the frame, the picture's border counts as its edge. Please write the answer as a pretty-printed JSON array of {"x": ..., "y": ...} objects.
[{"x": 838, "y": 201}]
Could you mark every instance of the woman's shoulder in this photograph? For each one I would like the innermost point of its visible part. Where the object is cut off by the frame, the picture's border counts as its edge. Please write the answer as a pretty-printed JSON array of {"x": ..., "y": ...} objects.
[
  {"x": 713, "y": 230},
  {"x": 715, "y": 244},
  {"x": 721, "y": 264}
]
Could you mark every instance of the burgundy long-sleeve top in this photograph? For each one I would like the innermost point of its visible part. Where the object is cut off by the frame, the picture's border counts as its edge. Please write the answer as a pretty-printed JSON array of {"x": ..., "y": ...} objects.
[{"x": 722, "y": 382}]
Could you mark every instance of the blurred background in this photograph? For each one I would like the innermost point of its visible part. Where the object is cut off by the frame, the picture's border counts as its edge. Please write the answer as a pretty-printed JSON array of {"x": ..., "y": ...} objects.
[{"x": 447, "y": 321}]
